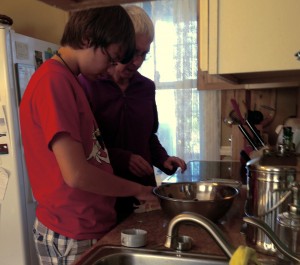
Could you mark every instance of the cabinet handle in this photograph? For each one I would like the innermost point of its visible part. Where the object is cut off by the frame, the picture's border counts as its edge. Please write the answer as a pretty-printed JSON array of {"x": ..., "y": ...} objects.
[{"x": 297, "y": 54}]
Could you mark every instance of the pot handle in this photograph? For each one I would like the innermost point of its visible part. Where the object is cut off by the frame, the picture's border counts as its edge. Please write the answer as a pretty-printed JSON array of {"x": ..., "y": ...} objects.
[
  {"x": 246, "y": 209},
  {"x": 283, "y": 198},
  {"x": 273, "y": 237}
]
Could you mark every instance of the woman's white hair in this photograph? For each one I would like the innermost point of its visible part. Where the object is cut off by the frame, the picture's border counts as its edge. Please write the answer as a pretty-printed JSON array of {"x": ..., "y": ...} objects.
[{"x": 141, "y": 21}]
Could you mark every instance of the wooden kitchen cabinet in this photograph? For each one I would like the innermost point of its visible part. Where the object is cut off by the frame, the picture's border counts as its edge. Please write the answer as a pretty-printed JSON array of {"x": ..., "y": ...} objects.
[
  {"x": 75, "y": 5},
  {"x": 250, "y": 41}
]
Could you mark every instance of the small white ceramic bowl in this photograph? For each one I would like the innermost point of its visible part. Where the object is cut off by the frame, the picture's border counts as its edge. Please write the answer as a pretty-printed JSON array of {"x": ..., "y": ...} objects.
[{"x": 134, "y": 238}]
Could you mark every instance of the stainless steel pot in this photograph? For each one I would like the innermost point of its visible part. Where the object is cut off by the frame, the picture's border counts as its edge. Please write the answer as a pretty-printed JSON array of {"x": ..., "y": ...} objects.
[{"x": 269, "y": 179}]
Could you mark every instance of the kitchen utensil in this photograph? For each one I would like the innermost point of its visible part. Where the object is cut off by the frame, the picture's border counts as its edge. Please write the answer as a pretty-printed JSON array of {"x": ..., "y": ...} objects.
[
  {"x": 133, "y": 238},
  {"x": 210, "y": 199},
  {"x": 256, "y": 133},
  {"x": 228, "y": 121},
  {"x": 234, "y": 117},
  {"x": 245, "y": 156},
  {"x": 237, "y": 111},
  {"x": 255, "y": 116},
  {"x": 269, "y": 178},
  {"x": 255, "y": 140},
  {"x": 250, "y": 140}
]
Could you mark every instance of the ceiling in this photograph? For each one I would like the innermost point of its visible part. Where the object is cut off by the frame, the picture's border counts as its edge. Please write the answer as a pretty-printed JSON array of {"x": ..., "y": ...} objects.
[{"x": 73, "y": 5}]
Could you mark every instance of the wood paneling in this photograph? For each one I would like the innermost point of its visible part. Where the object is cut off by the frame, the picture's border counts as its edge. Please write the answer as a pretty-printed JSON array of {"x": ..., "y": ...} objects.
[{"x": 276, "y": 106}]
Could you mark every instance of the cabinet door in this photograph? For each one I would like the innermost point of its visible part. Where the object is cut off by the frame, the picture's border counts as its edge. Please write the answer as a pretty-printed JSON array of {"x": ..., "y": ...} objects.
[
  {"x": 249, "y": 35},
  {"x": 205, "y": 79}
]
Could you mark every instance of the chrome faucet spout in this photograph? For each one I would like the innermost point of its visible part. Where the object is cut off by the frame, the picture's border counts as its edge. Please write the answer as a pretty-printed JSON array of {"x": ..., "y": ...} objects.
[{"x": 209, "y": 226}]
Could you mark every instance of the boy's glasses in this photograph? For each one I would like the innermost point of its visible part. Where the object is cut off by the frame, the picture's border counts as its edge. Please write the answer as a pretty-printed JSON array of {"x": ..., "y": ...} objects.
[
  {"x": 143, "y": 55},
  {"x": 111, "y": 60}
]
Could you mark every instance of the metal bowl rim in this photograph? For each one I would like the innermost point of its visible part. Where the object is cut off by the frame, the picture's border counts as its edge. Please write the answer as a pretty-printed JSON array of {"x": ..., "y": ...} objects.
[{"x": 189, "y": 201}]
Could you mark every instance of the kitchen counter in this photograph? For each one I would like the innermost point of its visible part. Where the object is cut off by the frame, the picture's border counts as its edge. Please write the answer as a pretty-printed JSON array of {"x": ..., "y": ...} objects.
[{"x": 156, "y": 223}]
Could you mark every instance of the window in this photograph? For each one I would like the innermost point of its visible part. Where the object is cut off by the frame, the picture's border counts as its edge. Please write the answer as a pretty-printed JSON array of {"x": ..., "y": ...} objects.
[
  {"x": 189, "y": 119},
  {"x": 172, "y": 64}
]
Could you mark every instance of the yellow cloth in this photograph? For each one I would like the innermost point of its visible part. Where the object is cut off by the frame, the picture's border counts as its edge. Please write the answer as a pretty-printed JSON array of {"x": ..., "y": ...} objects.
[{"x": 244, "y": 256}]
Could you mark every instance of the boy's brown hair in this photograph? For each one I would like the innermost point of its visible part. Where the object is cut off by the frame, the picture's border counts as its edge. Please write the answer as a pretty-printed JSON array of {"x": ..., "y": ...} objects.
[{"x": 100, "y": 27}]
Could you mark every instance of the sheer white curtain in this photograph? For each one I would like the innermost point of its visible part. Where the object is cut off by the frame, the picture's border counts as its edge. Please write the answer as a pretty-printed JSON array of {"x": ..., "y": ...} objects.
[
  {"x": 189, "y": 118},
  {"x": 210, "y": 121}
]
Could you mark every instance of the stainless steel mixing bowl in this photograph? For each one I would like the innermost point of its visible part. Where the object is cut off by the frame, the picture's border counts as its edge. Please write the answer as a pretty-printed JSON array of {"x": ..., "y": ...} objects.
[{"x": 210, "y": 199}]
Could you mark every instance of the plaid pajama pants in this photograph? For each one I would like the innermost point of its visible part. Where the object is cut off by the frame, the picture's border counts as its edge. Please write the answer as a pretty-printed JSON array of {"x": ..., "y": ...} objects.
[{"x": 55, "y": 249}]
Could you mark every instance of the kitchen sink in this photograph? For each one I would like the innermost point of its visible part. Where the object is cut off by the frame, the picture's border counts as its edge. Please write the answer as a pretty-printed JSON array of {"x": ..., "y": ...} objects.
[{"x": 113, "y": 255}]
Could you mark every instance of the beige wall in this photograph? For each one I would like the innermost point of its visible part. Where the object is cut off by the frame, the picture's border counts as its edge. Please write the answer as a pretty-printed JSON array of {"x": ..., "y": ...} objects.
[{"x": 35, "y": 19}]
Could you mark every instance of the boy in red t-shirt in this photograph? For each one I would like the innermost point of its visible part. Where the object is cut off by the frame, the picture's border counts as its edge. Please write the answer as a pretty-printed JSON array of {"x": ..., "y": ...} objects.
[{"x": 67, "y": 162}]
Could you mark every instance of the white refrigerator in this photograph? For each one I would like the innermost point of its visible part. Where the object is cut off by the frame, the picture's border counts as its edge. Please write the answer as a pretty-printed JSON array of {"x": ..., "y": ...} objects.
[{"x": 19, "y": 58}]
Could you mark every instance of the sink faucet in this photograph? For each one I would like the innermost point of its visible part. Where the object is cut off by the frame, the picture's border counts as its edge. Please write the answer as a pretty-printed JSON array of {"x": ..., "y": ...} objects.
[
  {"x": 209, "y": 226},
  {"x": 273, "y": 237}
]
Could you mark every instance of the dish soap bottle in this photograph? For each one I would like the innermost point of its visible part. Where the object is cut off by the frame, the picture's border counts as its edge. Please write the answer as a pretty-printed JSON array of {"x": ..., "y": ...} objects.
[{"x": 287, "y": 139}]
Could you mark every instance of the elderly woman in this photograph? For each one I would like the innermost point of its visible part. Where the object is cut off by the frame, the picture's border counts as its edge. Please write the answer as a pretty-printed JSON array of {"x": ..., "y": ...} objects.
[{"x": 124, "y": 105}]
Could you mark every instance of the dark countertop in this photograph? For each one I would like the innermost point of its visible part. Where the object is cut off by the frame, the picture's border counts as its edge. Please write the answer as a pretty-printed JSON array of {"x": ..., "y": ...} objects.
[{"x": 155, "y": 222}]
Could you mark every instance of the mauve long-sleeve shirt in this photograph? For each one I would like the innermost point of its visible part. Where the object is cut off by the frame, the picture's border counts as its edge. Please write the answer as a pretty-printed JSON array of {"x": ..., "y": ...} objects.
[{"x": 128, "y": 122}]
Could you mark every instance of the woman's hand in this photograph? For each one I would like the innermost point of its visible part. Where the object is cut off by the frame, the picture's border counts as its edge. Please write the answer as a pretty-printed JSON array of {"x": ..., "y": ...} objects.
[
  {"x": 139, "y": 166},
  {"x": 174, "y": 161}
]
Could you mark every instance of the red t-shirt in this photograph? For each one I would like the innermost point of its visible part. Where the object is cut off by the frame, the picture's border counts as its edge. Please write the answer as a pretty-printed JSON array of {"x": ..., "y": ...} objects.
[{"x": 55, "y": 102}]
